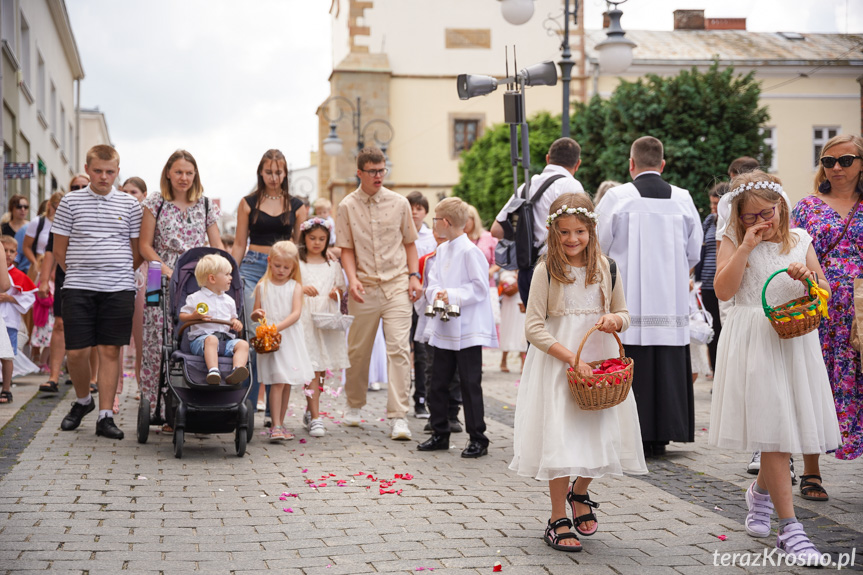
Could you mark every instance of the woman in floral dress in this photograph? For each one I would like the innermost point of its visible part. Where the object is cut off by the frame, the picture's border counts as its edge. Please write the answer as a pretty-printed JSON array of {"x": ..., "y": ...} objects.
[
  {"x": 176, "y": 219},
  {"x": 824, "y": 214}
]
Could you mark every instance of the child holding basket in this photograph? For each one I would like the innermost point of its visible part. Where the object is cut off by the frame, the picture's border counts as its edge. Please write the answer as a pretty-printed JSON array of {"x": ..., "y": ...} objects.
[
  {"x": 769, "y": 394},
  {"x": 572, "y": 291}
]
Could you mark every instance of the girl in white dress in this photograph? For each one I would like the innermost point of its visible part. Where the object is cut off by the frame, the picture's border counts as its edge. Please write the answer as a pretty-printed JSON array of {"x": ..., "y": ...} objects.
[
  {"x": 279, "y": 299},
  {"x": 769, "y": 394},
  {"x": 323, "y": 283},
  {"x": 511, "y": 319},
  {"x": 572, "y": 291}
]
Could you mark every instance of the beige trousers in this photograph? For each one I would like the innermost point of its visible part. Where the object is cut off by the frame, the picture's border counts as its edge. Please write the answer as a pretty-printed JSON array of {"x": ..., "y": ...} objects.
[{"x": 396, "y": 315}]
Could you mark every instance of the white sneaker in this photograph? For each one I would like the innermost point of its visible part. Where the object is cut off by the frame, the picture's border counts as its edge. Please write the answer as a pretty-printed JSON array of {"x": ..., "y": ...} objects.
[
  {"x": 316, "y": 428},
  {"x": 400, "y": 429},
  {"x": 353, "y": 416},
  {"x": 374, "y": 386},
  {"x": 755, "y": 464}
]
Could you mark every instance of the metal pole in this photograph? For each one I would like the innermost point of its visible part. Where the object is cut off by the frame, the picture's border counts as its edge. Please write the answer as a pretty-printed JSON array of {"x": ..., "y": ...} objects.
[
  {"x": 566, "y": 65},
  {"x": 358, "y": 126}
]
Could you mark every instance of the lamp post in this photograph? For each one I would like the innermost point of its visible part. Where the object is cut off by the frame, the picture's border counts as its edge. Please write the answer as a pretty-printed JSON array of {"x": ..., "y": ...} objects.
[
  {"x": 333, "y": 145},
  {"x": 615, "y": 52}
]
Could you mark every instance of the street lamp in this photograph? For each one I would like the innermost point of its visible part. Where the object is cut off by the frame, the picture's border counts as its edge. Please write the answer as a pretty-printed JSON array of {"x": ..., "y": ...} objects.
[
  {"x": 333, "y": 145},
  {"x": 615, "y": 52},
  {"x": 516, "y": 11}
]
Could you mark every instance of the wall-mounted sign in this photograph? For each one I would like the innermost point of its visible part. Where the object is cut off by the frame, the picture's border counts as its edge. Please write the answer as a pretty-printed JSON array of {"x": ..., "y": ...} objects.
[{"x": 17, "y": 171}]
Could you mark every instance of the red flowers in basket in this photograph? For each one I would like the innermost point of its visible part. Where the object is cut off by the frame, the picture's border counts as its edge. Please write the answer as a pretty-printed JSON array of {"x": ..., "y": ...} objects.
[{"x": 610, "y": 366}]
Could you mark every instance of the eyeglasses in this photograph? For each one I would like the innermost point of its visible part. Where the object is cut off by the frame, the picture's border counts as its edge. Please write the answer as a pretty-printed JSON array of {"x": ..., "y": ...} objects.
[
  {"x": 765, "y": 215},
  {"x": 376, "y": 173},
  {"x": 23, "y": 206},
  {"x": 844, "y": 161},
  {"x": 76, "y": 187},
  {"x": 434, "y": 220}
]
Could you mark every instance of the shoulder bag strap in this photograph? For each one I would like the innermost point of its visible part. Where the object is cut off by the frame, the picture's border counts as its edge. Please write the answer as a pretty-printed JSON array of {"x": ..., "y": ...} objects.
[
  {"x": 545, "y": 185},
  {"x": 845, "y": 229}
]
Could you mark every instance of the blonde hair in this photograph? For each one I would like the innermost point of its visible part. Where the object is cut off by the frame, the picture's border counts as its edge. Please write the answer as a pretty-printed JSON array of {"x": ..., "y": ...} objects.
[
  {"x": 288, "y": 250},
  {"x": 322, "y": 203},
  {"x": 211, "y": 264},
  {"x": 453, "y": 209},
  {"x": 555, "y": 258},
  {"x": 478, "y": 229},
  {"x": 9, "y": 241},
  {"x": 101, "y": 152},
  {"x": 197, "y": 189},
  {"x": 783, "y": 230},
  {"x": 821, "y": 175}
]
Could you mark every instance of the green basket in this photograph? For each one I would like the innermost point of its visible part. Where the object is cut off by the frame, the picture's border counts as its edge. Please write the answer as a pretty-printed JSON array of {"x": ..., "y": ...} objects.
[{"x": 796, "y": 317}]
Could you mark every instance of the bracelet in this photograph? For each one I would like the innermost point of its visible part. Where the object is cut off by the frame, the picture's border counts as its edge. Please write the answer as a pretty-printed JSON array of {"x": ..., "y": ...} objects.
[{"x": 416, "y": 274}]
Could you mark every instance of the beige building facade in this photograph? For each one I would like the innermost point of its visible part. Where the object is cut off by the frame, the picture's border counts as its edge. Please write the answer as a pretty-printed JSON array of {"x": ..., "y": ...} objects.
[
  {"x": 41, "y": 66},
  {"x": 402, "y": 60},
  {"x": 94, "y": 132},
  {"x": 810, "y": 83}
]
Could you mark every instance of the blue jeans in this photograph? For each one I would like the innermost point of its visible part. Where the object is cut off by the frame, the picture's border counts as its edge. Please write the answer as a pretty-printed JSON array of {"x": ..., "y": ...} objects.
[
  {"x": 252, "y": 269},
  {"x": 197, "y": 346}
]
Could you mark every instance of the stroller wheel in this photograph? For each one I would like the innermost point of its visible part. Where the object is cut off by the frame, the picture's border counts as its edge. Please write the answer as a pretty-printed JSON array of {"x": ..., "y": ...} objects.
[
  {"x": 240, "y": 441},
  {"x": 250, "y": 414},
  {"x": 178, "y": 442},
  {"x": 143, "y": 420}
]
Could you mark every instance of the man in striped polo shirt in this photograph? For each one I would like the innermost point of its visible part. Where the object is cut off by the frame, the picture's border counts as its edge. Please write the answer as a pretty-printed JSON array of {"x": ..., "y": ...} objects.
[{"x": 96, "y": 243}]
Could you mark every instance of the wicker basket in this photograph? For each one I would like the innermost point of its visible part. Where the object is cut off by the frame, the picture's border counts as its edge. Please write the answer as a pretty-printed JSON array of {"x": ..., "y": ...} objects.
[
  {"x": 268, "y": 344},
  {"x": 796, "y": 317},
  {"x": 600, "y": 390}
]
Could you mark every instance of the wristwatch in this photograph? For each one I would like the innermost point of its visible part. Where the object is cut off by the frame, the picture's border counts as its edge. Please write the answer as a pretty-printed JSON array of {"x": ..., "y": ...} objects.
[{"x": 417, "y": 274}]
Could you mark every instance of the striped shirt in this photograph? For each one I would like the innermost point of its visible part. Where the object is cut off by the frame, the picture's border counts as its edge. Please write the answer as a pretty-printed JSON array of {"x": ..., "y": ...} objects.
[
  {"x": 708, "y": 265},
  {"x": 99, "y": 255}
]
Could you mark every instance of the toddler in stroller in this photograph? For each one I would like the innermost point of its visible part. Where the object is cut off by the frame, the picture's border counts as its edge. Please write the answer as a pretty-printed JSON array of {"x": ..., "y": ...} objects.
[
  {"x": 195, "y": 402},
  {"x": 211, "y": 312}
]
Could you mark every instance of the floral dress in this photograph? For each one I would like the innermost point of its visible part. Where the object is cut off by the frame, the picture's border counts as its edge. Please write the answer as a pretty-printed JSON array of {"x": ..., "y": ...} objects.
[
  {"x": 176, "y": 232},
  {"x": 841, "y": 266}
]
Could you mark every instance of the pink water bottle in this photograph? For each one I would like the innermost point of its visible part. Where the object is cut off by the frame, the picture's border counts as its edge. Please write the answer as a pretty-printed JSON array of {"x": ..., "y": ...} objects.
[{"x": 154, "y": 283}]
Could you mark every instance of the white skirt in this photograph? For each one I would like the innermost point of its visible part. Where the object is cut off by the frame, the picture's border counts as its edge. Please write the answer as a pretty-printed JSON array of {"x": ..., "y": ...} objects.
[
  {"x": 553, "y": 436},
  {"x": 770, "y": 394}
]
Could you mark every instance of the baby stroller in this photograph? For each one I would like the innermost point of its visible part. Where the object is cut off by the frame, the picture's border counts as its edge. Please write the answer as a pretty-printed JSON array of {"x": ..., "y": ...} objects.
[{"x": 191, "y": 404}]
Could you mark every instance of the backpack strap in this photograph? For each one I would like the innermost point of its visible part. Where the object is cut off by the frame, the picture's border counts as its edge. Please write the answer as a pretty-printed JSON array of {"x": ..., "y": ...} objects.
[{"x": 545, "y": 185}]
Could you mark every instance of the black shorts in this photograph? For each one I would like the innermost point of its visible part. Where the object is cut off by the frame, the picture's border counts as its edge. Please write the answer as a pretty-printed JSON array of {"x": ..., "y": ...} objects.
[
  {"x": 97, "y": 318},
  {"x": 59, "y": 276}
]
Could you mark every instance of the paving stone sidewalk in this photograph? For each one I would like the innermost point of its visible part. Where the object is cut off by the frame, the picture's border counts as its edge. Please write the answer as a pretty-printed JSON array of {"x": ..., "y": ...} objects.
[{"x": 75, "y": 503}]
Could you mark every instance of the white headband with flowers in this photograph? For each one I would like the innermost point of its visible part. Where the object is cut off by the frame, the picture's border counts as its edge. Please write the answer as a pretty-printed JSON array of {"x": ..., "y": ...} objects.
[
  {"x": 306, "y": 225},
  {"x": 762, "y": 185},
  {"x": 571, "y": 211}
]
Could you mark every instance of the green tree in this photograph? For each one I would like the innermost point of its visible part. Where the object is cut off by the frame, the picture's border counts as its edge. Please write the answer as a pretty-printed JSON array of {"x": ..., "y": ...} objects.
[{"x": 704, "y": 119}]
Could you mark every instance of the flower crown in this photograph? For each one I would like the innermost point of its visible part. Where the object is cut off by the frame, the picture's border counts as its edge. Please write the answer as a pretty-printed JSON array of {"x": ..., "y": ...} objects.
[
  {"x": 571, "y": 211},
  {"x": 761, "y": 185},
  {"x": 307, "y": 225}
]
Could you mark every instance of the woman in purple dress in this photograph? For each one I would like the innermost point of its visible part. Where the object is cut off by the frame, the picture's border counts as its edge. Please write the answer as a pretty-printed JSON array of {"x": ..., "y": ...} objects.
[{"x": 833, "y": 216}]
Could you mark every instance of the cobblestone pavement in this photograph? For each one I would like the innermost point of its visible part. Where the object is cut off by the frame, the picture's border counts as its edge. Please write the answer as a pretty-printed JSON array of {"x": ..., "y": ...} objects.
[{"x": 75, "y": 503}]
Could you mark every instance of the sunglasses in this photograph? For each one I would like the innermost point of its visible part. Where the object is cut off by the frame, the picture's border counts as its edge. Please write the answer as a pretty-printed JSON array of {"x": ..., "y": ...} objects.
[
  {"x": 844, "y": 161},
  {"x": 76, "y": 187},
  {"x": 23, "y": 206}
]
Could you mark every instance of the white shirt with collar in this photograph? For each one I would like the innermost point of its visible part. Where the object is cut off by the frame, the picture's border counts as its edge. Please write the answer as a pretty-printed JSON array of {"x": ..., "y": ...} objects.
[
  {"x": 219, "y": 306},
  {"x": 462, "y": 270},
  {"x": 564, "y": 185},
  {"x": 426, "y": 242}
]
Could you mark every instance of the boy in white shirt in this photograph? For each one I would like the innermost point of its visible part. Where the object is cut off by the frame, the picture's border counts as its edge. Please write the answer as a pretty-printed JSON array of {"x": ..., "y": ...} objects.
[
  {"x": 17, "y": 300},
  {"x": 213, "y": 273},
  {"x": 459, "y": 277}
]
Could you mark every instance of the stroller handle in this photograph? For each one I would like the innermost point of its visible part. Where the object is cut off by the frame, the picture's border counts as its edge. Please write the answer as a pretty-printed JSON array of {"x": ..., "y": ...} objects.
[{"x": 195, "y": 321}]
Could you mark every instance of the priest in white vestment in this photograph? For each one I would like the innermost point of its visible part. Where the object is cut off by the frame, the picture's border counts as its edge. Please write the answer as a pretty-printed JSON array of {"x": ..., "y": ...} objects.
[{"x": 653, "y": 231}]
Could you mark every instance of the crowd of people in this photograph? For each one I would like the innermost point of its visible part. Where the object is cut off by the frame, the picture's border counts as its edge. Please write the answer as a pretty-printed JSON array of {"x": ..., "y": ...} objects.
[{"x": 623, "y": 262}]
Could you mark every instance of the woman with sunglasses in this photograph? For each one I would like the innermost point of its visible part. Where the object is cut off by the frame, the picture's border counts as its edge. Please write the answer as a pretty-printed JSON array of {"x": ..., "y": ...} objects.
[
  {"x": 833, "y": 217},
  {"x": 16, "y": 217}
]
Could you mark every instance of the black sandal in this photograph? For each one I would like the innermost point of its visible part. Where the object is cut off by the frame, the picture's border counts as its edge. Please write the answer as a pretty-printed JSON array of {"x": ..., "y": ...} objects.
[
  {"x": 49, "y": 387},
  {"x": 553, "y": 538},
  {"x": 5, "y": 397},
  {"x": 807, "y": 486},
  {"x": 574, "y": 498}
]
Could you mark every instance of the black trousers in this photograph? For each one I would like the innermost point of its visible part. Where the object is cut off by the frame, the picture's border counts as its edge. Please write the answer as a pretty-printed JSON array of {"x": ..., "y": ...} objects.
[
  {"x": 454, "y": 386},
  {"x": 711, "y": 304},
  {"x": 525, "y": 276},
  {"x": 468, "y": 363},
  {"x": 420, "y": 361}
]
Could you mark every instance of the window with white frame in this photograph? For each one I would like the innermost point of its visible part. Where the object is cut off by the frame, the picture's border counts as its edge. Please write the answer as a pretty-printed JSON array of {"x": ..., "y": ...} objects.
[
  {"x": 40, "y": 82},
  {"x": 768, "y": 134},
  {"x": 53, "y": 112},
  {"x": 820, "y": 136},
  {"x": 26, "y": 64}
]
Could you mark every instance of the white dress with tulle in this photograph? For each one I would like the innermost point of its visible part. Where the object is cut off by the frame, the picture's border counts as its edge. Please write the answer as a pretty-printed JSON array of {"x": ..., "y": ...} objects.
[
  {"x": 553, "y": 436},
  {"x": 290, "y": 363},
  {"x": 770, "y": 394}
]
